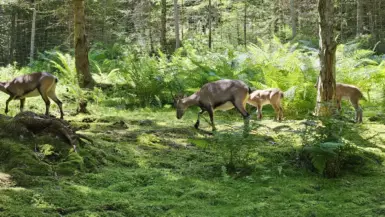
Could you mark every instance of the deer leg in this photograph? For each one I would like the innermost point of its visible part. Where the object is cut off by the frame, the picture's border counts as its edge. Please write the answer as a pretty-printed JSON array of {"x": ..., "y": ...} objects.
[
  {"x": 7, "y": 102},
  {"x": 240, "y": 106},
  {"x": 22, "y": 103},
  {"x": 276, "y": 110},
  {"x": 196, "y": 125},
  {"x": 280, "y": 113},
  {"x": 339, "y": 105},
  {"x": 259, "y": 111},
  {"x": 46, "y": 100},
  {"x": 53, "y": 96},
  {"x": 358, "y": 109},
  {"x": 210, "y": 110}
]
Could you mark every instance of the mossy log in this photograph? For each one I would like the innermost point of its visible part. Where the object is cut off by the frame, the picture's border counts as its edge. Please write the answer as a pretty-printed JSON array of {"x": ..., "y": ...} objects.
[{"x": 28, "y": 124}]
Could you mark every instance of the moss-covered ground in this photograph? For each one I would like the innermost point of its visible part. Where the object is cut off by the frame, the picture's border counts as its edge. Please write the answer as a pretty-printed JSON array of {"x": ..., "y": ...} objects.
[{"x": 148, "y": 163}]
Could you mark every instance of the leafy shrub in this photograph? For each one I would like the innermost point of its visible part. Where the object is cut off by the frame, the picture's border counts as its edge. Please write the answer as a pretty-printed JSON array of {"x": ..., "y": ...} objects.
[
  {"x": 238, "y": 152},
  {"x": 324, "y": 146}
]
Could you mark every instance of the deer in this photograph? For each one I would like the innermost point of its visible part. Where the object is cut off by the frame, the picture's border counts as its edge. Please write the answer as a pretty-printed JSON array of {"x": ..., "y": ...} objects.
[
  {"x": 31, "y": 85},
  {"x": 218, "y": 95},
  {"x": 353, "y": 94},
  {"x": 272, "y": 96}
]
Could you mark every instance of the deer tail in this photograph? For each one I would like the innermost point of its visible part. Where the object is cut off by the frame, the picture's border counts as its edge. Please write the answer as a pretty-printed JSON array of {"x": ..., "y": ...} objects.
[{"x": 282, "y": 95}]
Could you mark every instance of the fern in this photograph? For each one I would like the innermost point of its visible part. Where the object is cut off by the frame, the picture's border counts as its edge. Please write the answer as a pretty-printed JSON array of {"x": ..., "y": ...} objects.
[{"x": 322, "y": 153}]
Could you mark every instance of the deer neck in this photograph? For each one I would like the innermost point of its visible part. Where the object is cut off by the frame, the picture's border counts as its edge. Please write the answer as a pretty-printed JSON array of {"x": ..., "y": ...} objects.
[
  {"x": 191, "y": 100},
  {"x": 3, "y": 87}
]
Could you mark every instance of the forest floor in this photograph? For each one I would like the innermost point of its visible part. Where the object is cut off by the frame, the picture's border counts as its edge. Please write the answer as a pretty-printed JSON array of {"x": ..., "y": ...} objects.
[{"x": 148, "y": 163}]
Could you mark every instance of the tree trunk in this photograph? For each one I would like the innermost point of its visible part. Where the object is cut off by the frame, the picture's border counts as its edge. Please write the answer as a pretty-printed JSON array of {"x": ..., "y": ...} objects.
[
  {"x": 12, "y": 44},
  {"x": 176, "y": 19},
  {"x": 209, "y": 18},
  {"x": 360, "y": 11},
  {"x": 342, "y": 21},
  {"x": 163, "y": 40},
  {"x": 245, "y": 24},
  {"x": 238, "y": 30},
  {"x": 33, "y": 31},
  {"x": 81, "y": 47},
  {"x": 182, "y": 19},
  {"x": 326, "y": 81},
  {"x": 293, "y": 15}
]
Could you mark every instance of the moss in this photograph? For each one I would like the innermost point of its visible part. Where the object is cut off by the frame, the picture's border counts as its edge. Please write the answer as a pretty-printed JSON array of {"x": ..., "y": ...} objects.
[
  {"x": 136, "y": 172},
  {"x": 70, "y": 165}
]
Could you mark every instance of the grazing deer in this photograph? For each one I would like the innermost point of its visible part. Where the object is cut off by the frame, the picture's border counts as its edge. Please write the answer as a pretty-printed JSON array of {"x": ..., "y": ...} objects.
[
  {"x": 30, "y": 85},
  {"x": 272, "y": 96},
  {"x": 353, "y": 93},
  {"x": 218, "y": 95}
]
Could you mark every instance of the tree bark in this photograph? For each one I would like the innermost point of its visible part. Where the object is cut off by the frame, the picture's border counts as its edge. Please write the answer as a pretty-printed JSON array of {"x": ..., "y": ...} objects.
[
  {"x": 209, "y": 18},
  {"x": 326, "y": 82},
  {"x": 360, "y": 11},
  {"x": 182, "y": 19},
  {"x": 13, "y": 37},
  {"x": 245, "y": 24},
  {"x": 163, "y": 40},
  {"x": 176, "y": 19},
  {"x": 293, "y": 15},
  {"x": 81, "y": 47},
  {"x": 33, "y": 31}
]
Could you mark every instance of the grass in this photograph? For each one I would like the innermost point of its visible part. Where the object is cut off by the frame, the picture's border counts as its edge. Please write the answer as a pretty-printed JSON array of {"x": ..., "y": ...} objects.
[{"x": 147, "y": 163}]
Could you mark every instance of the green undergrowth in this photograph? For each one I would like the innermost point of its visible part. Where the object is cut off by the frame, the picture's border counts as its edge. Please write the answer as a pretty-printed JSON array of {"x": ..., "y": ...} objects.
[{"x": 147, "y": 163}]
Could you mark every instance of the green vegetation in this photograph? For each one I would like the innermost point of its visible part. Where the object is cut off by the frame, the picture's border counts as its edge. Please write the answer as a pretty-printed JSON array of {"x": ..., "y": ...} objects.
[{"x": 145, "y": 162}]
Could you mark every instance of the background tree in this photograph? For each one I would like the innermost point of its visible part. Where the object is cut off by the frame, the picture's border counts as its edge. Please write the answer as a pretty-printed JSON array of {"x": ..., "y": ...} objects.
[
  {"x": 81, "y": 47},
  {"x": 176, "y": 19},
  {"x": 163, "y": 27}
]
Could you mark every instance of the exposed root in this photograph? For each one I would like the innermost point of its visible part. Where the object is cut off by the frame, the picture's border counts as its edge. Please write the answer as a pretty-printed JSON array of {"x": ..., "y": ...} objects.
[{"x": 29, "y": 124}]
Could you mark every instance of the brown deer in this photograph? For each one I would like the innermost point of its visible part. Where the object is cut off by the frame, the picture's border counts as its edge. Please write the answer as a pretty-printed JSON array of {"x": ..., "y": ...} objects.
[
  {"x": 219, "y": 95},
  {"x": 272, "y": 96},
  {"x": 353, "y": 93},
  {"x": 31, "y": 85}
]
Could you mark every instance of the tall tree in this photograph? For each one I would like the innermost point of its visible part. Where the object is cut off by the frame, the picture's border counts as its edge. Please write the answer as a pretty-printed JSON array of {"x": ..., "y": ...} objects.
[
  {"x": 360, "y": 21},
  {"x": 176, "y": 20},
  {"x": 293, "y": 15},
  {"x": 327, "y": 54},
  {"x": 163, "y": 40},
  {"x": 81, "y": 47},
  {"x": 210, "y": 19},
  {"x": 33, "y": 31},
  {"x": 245, "y": 23}
]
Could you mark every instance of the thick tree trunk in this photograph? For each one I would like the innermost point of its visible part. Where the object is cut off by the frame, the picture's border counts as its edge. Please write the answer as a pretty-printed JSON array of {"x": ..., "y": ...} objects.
[
  {"x": 360, "y": 22},
  {"x": 176, "y": 19},
  {"x": 326, "y": 81},
  {"x": 163, "y": 40},
  {"x": 33, "y": 31},
  {"x": 81, "y": 47},
  {"x": 209, "y": 18}
]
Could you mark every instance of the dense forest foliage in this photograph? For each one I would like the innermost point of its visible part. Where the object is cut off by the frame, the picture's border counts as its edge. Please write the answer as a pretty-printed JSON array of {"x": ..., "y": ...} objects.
[{"x": 120, "y": 64}]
